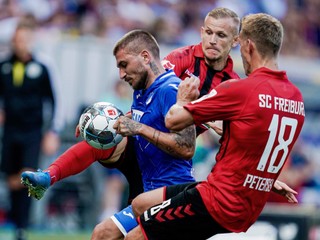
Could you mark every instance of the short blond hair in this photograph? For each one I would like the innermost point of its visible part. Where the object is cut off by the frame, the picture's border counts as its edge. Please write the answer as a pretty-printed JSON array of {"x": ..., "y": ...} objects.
[
  {"x": 265, "y": 30},
  {"x": 221, "y": 12}
]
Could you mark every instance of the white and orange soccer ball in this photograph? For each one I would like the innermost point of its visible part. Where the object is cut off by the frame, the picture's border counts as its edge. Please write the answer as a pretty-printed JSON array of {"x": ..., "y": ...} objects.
[{"x": 96, "y": 125}]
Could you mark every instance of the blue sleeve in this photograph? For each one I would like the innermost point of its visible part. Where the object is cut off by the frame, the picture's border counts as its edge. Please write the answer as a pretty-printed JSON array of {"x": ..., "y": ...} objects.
[{"x": 169, "y": 97}]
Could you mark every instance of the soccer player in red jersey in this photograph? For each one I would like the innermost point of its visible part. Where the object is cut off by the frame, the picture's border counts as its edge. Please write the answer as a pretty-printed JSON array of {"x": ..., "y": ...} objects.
[
  {"x": 263, "y": 115},
  {"x": 208, "y": 60}
]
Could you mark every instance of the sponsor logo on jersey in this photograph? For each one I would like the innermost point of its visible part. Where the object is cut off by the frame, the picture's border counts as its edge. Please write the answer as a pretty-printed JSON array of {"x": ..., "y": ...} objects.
[{"x": 136, "y": 115}]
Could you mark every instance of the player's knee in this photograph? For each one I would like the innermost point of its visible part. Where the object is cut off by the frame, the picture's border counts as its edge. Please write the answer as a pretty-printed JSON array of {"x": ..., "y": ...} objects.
[
  {"x": 138, "y": 205},
  {"x": 106, "y": 230}
]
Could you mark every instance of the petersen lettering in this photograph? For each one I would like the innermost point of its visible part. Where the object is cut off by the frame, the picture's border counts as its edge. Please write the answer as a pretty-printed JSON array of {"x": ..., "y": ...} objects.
[{"x": 258, "y": 183}]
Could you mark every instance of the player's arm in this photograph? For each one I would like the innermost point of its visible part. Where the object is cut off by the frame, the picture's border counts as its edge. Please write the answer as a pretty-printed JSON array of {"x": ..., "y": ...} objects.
[
  {"x": 178, "y": 117},
  {"x": 179, "y": 144}
]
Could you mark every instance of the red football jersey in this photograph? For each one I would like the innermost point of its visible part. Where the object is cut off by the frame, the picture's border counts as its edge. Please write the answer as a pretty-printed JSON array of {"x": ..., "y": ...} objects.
[
  {"x": 262, "y": 118},
  {"x": 189, "y": 60}
]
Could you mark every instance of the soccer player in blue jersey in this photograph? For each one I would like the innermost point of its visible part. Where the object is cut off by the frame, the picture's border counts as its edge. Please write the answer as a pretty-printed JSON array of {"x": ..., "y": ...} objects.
[{"x": 164, "y": 158}]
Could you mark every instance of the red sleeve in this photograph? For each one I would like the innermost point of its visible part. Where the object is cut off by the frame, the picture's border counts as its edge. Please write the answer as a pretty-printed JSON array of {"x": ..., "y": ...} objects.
[
  {"x": 76, "y": 159},
  {"x": 179, "y": 60},
  {"x": 225, "y": 102}
]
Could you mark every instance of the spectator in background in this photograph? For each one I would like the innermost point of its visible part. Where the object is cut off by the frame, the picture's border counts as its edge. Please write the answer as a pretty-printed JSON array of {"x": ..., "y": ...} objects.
[{"x": 25, "y": 86}]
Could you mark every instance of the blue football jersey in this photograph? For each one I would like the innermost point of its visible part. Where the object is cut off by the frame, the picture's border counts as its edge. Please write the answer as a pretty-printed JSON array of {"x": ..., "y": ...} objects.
[{"x": 150, "y": 107}]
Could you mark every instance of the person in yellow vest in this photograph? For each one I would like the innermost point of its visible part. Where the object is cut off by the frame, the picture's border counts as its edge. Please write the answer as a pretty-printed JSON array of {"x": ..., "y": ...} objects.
[{"x": 25, "y": 86}]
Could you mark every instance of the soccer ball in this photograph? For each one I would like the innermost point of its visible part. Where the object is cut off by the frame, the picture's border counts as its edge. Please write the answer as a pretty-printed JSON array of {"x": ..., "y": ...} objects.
[{"x": 96, "y": 125}]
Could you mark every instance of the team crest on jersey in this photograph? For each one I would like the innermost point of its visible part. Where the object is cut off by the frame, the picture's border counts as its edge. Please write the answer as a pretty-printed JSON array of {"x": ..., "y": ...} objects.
[{"x": 167, "y": 65}]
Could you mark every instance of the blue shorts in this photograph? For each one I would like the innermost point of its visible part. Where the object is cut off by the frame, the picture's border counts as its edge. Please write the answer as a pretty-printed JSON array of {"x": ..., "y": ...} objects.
[{"x": 125, "y": 220}]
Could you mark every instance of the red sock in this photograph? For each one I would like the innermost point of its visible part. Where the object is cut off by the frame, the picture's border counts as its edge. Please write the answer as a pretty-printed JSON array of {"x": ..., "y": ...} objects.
[{"x": 75, "y": 160}]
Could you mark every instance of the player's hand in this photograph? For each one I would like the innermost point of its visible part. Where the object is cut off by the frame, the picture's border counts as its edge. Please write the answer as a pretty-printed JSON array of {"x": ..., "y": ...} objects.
[
  {"x": 284, "y": 190},
  {"x": 126, "y": 126},
  {"x": 77, "y": 131},
  {"x": 188, "y": 90},
  {"x": 216, "y": 126},
  {"x": 129, "y": 115}
]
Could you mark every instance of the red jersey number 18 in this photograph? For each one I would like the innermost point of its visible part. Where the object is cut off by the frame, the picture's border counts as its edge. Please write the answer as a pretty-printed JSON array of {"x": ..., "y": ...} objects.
[{"x": 271, "y": 152}]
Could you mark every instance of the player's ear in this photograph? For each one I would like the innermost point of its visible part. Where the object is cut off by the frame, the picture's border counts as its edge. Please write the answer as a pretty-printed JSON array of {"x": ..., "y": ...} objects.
[
  {"x": 202, "y": 32},
  {"x": 146, "y": 56},
  {"x": 235, "y": 41},
  {"x": 251, "y": 45}
]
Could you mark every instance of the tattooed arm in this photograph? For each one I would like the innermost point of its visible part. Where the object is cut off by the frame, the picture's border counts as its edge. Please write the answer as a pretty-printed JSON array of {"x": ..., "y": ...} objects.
[{"x": 179, "y": 144}]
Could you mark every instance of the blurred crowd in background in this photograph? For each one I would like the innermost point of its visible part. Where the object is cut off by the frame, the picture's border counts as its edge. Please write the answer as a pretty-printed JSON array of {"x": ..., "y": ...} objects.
[
  {"x": 174, "y": 22},
  {"x": 177, "y": 23}
]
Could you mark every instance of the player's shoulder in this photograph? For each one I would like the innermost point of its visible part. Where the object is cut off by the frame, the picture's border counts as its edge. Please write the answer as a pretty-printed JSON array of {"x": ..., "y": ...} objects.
[
  {"x": 234, "y": 86},
  {"x": 172, "y": 78},
  {"x": 182, "y": 51},
  {"x": 170, "y": 84}
]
